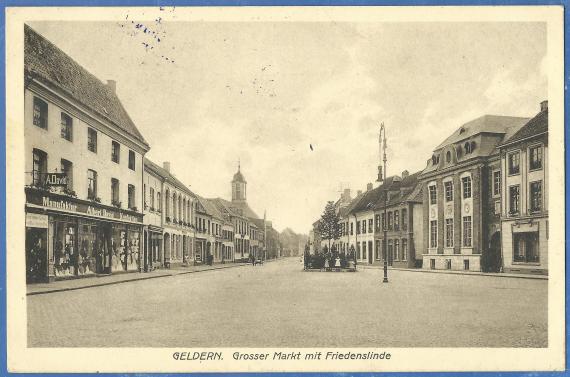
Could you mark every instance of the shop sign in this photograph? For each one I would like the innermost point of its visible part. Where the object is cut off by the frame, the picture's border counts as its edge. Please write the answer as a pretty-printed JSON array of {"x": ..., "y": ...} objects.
[
  {"x": 63, "y": 203},
  {"x": 56, "y": 179},
  {"x": 36, "y": 220}
]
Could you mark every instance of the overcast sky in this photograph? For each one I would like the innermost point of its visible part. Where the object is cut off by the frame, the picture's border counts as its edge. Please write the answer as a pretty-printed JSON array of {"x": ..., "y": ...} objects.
[{"x": 210, "y": 93}]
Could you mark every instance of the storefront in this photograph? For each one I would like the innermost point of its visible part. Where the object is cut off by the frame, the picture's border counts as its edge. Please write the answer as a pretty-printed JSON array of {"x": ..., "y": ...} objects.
[
  {"x": 67, "y": 237},
  {"x": 153, "y": 256}
]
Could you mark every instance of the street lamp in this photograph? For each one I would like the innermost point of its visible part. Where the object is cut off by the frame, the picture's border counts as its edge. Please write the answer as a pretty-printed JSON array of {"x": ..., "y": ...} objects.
[{"x": 382, "y": 146}]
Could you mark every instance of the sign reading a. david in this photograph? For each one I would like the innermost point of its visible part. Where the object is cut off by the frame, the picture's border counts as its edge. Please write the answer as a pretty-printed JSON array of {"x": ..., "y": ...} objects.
[{"x": 56, "y": 179}]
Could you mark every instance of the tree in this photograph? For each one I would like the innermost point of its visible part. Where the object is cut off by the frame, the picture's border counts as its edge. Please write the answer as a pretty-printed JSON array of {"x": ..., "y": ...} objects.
[{"x": 329, "y": 227}]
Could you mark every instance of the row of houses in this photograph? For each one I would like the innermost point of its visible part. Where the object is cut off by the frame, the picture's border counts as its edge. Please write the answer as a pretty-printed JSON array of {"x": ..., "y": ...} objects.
[
  {"x": 95, "y": 204},
  {"x": 480, "y": 204}
]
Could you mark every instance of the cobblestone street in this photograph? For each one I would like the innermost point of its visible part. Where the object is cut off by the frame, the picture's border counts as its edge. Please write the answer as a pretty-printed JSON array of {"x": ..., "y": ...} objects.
[{"x": 279, "y": 304}]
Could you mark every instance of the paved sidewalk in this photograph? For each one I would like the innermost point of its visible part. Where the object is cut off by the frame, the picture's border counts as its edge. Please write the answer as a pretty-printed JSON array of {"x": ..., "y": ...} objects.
[
  {"x": 472, "y": 273},
  {"x": 118, "y": 278}
]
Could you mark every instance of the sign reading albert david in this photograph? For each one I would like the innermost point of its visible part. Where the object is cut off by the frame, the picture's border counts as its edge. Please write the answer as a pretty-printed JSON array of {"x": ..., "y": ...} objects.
[{"x": 56, "y": 179}]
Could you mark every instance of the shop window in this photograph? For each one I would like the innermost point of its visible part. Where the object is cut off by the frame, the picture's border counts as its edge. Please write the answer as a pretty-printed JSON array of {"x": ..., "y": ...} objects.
[
  {"x": 514, "y": 199},
  {"x": 39, "y": 167},
  {"x": 535, "y": 157},
  {"x": 92, "y": 140},
  {"x": 91, "y": 184},
  {"x": 466, "y": 182},
  {"x": 448, "y": 232},
  {"x": 65, "y": 256},
  {"x": 448, "y": 191},
  {"x": 432, "y": 195},
  {"x": 536, "y": 196},
  {"x": 131, "y": 160},
  {"x": 115, "y": 152},
  {"x": 358, "y": 251},
  {"x": 131, "y": 200},
  {"x": 433, "y": 234},
  {"x": 404, "y": 219},
  {"x": 497, "y": 182},
  {"x": 514, "y": 163},
  {"x": 377, "y": 249},
  {"x": 66, "y": 127},
  {"x": 67, "y": 170},
  {"x": 115, "y": 192},
  {"x": 40, "y": 113},
  {"x": 525, "y": 247},
  {"x": 404, "y": 249},
  {"x": 467, "y": 231}
]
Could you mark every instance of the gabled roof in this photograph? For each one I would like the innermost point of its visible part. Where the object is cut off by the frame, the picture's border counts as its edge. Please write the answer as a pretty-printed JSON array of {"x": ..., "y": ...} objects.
[
  {"x": 245, "y": 210},
  {"x": 167, "y": 176},
  {"x": 229, "y": 207},
  {"x": 211, "y": 208},
  {"x": 536, "y": 126},
  {"x": 48, "y": 64},
  {"x": 496, "y": 124}
]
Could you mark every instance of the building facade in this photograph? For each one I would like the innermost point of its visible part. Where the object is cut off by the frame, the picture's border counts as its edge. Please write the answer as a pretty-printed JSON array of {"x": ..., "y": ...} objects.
[
  {"x": 524, "y": 215},
  {"x": 462, "y": 226},
  {"x": 153, "y": 186},
  {"x": 84, "y": 170}
]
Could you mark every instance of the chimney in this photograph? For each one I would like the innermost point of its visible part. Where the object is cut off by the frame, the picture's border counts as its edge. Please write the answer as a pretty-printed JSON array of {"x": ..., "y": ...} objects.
[
  {"x": 544, "y": 105},
  {"x": 405, "y": 174},
  {"x": 359, "y": 193},
  {"x": 112, "y": 84},
  {"x": 369, "y": 186},
  {"x": 166, "y": 166},
  {"x": 346, "y": 194}
]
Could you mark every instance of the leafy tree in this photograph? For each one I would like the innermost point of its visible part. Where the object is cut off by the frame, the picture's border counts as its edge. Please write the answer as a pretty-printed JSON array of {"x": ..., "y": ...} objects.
[{"x": 329, "y": 227}]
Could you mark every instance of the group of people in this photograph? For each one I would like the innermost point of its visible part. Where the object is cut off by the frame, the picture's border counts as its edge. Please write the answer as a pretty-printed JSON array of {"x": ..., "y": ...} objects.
[{"x": 328, "y": 259}]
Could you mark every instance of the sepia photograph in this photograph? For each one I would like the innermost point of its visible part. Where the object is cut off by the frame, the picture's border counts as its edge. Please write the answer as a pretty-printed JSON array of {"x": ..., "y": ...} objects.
[{"x": 285, "y": 189}]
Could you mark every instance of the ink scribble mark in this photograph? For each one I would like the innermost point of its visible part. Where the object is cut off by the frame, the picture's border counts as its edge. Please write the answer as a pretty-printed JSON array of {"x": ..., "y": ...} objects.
[{"x": 311, "y": 146}]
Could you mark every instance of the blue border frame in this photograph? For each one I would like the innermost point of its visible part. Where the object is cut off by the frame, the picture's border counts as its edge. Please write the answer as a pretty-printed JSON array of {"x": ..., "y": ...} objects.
[{"x": 9, "y": 3}]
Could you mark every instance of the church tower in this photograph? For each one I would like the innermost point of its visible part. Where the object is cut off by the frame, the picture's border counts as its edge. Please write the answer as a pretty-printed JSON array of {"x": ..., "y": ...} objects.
[{"x": 239, "y": 187}]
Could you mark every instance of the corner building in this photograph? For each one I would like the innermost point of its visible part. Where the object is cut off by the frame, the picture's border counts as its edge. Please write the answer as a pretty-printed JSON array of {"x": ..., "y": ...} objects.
[
  {"x": 77, "y": 131},
  {"x": 461, "y": 210}
]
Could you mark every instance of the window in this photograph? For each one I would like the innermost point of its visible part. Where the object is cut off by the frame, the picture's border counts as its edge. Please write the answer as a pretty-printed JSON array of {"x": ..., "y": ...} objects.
[
  {"x": 466, "y": 264},
  {"x": 67, "y": 170},
  {"x": 92, "y": 140},
  {"x": 370, "y": 225},
  {"x": 535, "y": 157},
  {"x": 498, "y": 207},
  {"x": 390, "y": 224},
  {"x": 525, "y": 247},
  {"x": 536, "y": 196},
  {"x": 448, "y": 264},
  {"x": 115, "y": 151},
  {"x": 158, "y": 202},
  {"x": 364, "y": 250},
  {"x": 115, "y": 191},
  {"x": 514, "y": 199},
  {"x": 377, "y": 222},
  {"x": 448, "y": 232},
  {"x": 91, "y": 184},
  {"x": 404, "y": 219},
  {"x": 514, "y": 163},
  {"x": 397, "y": 249},
  {"x": 404, "y": 249},
  {"x": 40, "y": 113},
  {"x": 467, "y": 231},
  {"x": 396, "y": 220},
  {"x": 448, "y": 191},
  {"x": 497, "y": 182},
  {"x": 66, "y": 127},
  {"x": 358, "y": 227},
  {"x": 468, "y": 148},
  {"x": 432, "y": 195},
  {"x": 377, "y": 250},
  {"x": 433, "y": 234},
  {"x": 39, "y": 167},
  {"x": 383, "y": 221},
  {"x": 152, "y": 199},
  {"x": 448, "y": 157},
  {"x": 131, "y": 191},
  {"x": 432, "y": 264},
  {"x": 351, "y": 229},
  {"x": 131, "y": 160},
  {"x": 466, "y": 187},
  {"x": 358, "y": 250}
]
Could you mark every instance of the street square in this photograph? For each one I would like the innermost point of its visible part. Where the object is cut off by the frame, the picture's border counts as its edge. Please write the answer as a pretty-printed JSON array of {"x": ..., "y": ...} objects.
[{"x": 280, "y": 305}]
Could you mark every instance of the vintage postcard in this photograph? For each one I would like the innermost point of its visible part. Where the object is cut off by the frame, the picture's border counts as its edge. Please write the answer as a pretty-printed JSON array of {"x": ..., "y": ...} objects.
[{"x": 254, "y": 189}]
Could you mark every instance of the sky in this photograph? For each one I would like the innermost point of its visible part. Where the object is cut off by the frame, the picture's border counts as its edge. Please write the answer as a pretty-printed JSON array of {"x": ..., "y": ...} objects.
[{"x": 300, "y": 103}]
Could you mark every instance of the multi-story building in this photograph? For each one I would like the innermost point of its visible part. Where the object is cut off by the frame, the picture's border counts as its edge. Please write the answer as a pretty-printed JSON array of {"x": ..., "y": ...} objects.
[
  {"x": 361, "y": 220},
  {"x": 216, "y": 223},
  {"x": 84, "y": 169},
  {"x": 203, "y": 234},
  {"x": 461, "y": 211},
  {"x": 524, "y": 214},
  {"x": 153, "y": 184}
]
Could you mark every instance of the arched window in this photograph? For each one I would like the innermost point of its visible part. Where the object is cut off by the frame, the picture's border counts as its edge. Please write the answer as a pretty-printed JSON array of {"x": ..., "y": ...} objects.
[
  {"x": 158, "y": 202},
  {"x": 167, "y": 203},
  {"x": 467, "y": 148},
  {"x": 448, "y": 157}
]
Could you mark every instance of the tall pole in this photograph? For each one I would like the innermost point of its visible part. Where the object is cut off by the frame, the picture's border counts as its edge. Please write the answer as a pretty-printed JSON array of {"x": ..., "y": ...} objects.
[{"x": 385, "y": 280}]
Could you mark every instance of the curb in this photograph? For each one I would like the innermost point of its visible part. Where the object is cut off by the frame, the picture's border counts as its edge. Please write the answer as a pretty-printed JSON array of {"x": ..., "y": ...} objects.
[
  {"x": 495, "y": 275},
  {"x": 55, "y": 290}
]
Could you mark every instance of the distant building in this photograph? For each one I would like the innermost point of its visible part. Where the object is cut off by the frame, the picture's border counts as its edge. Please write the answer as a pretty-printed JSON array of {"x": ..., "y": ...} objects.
[
  {"x": 524, "y": 214},
  {"x": 84, "y": 170},
  {"x": 461, "y": 210}
]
